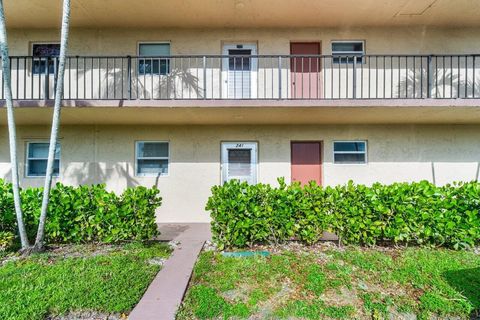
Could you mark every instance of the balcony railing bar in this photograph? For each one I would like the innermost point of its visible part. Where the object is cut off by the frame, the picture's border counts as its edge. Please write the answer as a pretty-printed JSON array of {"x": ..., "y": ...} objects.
[{"x": 246, "y": 77}]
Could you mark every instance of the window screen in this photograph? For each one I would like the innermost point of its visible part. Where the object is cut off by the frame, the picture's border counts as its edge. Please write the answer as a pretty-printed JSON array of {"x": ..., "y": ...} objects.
[{"x": 239, "y": 162}]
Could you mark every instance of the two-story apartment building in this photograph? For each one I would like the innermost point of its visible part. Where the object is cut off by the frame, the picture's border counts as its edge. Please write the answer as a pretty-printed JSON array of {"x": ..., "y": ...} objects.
[{"x": 189, "y": 94}]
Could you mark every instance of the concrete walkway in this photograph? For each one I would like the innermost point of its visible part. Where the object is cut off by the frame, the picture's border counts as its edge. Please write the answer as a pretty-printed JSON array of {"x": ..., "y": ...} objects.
[{"x": 165, "y": 293}]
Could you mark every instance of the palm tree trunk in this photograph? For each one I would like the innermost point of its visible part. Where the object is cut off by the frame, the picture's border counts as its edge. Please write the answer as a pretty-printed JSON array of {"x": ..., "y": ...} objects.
[
  {"x": 39, "y": 241},
  {"x": 12, "y": 135}
]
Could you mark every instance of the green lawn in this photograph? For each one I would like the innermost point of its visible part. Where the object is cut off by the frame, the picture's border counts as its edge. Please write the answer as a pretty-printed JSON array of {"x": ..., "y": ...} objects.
[
  {"x": 331, "y": 283},
  {"x": 50, "y": 284}
]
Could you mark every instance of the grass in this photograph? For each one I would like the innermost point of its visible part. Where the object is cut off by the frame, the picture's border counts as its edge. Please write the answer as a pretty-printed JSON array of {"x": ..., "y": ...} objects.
[
  {"x": 49, "y": 284},
  {"x": 329, "y": 283}
]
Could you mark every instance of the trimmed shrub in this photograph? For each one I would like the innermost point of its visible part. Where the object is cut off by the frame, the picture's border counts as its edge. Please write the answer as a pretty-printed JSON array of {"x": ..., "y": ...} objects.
[
  {"x": 419, "y": 212},
  {"x": 85, "y": 213}
]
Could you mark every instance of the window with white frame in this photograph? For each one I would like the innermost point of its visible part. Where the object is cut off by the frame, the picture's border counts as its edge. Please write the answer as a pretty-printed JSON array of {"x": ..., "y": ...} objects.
[
  {"x": 350, "y": 152},
  {"x": 44, "y": 53},
  {"x": 156, "y": 61},
  {"x": 152, "y": 158},
  {"x": 37, "y": 157},
  {"x": 345, "y": 51}
]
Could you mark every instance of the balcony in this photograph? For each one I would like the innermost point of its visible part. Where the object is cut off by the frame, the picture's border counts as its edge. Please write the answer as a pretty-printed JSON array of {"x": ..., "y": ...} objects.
[{"x": 236, "y": 77}]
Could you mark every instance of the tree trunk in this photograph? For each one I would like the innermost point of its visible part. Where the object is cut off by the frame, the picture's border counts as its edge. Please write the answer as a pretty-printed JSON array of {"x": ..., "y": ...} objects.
[
  {"x": 12, "y": 135},
  {"x": 39, "y": 241}
]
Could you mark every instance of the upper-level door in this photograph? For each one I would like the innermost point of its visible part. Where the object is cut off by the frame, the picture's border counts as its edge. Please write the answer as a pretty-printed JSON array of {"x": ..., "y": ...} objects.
[
  {"x": 239, "y": 71},
  {"x": 305, "y": 70}
]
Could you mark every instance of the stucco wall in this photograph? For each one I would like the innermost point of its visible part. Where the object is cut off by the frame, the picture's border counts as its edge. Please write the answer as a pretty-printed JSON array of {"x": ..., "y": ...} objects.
[
  {"x": 94, "y": 154},
  {"x": 96, "y": 80},
  {"x": 388, "y": 40}
]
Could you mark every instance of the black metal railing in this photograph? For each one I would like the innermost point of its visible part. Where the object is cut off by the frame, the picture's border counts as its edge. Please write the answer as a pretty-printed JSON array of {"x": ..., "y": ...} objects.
[{"x": 249, "y": 77}]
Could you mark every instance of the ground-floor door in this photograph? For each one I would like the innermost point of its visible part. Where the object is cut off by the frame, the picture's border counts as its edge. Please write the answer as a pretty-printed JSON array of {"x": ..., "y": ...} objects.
[{"x": 306, "y": 161}]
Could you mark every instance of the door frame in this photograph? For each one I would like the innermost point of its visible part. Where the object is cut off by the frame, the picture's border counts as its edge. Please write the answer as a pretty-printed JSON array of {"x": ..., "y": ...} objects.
[
  {"x": 320, "y": 66},
  {"x": 320, "y": 142},
  {"x": 253, "y": 67},
  {"x": 224, "y": 146}
]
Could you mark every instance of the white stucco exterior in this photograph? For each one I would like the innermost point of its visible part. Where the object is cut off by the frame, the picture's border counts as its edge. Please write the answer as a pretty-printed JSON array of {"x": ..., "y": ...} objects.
[
  {"x": 98, "y": 138},
  {"x": 97, "y": 154}
]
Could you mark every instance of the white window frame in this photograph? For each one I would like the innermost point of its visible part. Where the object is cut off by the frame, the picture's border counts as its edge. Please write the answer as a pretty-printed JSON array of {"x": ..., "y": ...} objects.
[
  {"x": 228, "y": 145},
  {"x": 27, "y": 159},
  {"x": 348, "y": 53},
  {"x": 350, "y": 152},
  {"x": 137, "y": 174},
  {"x": 253, "y": 63},
  {"x": 139, "y": 57}
]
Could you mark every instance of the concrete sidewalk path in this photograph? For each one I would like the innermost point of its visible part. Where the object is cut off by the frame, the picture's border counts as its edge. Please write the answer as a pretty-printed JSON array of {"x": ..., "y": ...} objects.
[{"x": 165, "y": 293}]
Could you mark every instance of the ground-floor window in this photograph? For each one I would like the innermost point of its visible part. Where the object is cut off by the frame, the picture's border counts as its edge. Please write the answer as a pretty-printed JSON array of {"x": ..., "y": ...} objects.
[
  {"x": 239, "y": 161},
  {"x": 350, "y": 152},
  {"x": 37, "y": 157},
  {"x": 152, "y": 158}
]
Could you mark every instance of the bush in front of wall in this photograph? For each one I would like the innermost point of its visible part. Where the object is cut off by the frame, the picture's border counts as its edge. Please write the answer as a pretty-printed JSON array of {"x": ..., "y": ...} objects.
[
  {"x": 85, "y": 213},
  {"x": 419, "y": 213}
]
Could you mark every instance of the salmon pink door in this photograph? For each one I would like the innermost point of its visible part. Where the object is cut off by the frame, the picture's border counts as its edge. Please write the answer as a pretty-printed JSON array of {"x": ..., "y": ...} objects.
[
  {"x": 306, "y": 161},
  {"x": 305, "y": 70}
]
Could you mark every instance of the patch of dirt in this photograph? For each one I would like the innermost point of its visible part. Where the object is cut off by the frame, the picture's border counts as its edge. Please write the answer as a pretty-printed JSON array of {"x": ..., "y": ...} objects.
[
  {"x": 80, "y": 251},
  {"x": 237, "y": 294},
  {"x": 209, "y": 246},
  {"x": 8, "y": 258},
  {"x": 342, "y": 297},
  {"x": 157, "y": 261},
  {"x": 299, "y": 247},
  {"x": 394, "y": 314},
  {"x": 266, "y": 309},
  {"x": 89, "y": 315}
]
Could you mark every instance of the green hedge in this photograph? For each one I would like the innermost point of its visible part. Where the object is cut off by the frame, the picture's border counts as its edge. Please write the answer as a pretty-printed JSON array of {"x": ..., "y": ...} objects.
[
  {"x": 84, "y": 214},
  {"x": 420, "y": 213}
]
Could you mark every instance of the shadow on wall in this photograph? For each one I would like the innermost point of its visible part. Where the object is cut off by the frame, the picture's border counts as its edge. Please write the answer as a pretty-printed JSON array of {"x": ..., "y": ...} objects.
[
  {"x": 93, "y": 173},
  {"x": 467, "y": 283},
  {"x": 445, "y": 84}
]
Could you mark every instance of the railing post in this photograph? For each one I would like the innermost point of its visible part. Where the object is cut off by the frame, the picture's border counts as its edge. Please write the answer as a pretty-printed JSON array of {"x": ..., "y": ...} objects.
[
  {"x": 355, "y": 77},
  {"x": 429, "y": 76},
  {"x": 129, "y": 76},
  {"x": 279, "y": 77},
  {"x": 204, "y": 77},
  {"x": 46, "y": 89},
  {"x": 473, "y": 75}
]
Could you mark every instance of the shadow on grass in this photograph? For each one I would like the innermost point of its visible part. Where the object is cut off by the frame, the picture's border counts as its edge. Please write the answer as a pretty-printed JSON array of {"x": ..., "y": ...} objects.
[{"x": 467, "y": 283}]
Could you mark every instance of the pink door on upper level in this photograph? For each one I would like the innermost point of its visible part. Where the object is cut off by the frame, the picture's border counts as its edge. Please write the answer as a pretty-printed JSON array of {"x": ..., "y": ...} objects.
[
  {"x": 306, "y": 161},
  {"x": 305, "y": 70}
]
